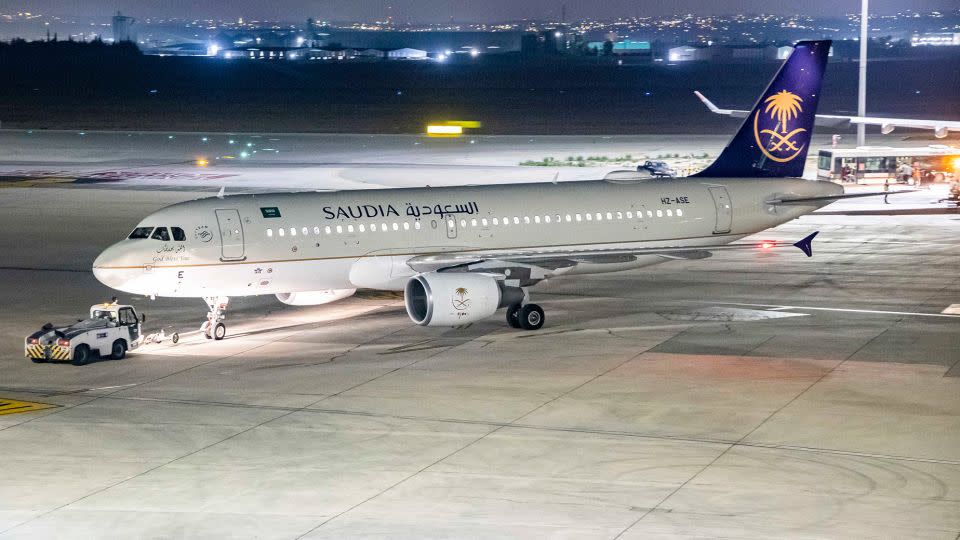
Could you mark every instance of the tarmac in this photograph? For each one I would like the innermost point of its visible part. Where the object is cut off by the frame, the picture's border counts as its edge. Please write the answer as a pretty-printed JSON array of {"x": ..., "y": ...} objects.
[{"x": 748, "y": 395}]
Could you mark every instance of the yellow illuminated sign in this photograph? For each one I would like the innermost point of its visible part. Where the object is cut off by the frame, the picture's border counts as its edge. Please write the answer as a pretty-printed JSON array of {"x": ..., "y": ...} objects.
[
  {"x": 451, "y": 128},
  {"x": 444, "y": 131}
]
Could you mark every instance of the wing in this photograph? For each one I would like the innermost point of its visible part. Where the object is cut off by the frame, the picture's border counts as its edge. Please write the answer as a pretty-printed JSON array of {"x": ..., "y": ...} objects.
[
  {"x": 941, "y": 128},
  {"x": 531, "y": 266}
]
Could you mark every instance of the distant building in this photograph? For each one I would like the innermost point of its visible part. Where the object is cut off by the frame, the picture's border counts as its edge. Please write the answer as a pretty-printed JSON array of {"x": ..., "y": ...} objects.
[
  {"x": 627, "y": 46},
  {"x": 265, "y": 53},
  {"x": 689, "y": 53},
  {"x": 407, "y": 53},
  {"x": 124, "y": 29},
  {"x": 935, "y": 39}
]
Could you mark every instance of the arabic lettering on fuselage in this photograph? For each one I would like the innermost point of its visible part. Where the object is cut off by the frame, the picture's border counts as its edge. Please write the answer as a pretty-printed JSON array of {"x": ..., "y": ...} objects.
[{"x": 359, "y": 211}]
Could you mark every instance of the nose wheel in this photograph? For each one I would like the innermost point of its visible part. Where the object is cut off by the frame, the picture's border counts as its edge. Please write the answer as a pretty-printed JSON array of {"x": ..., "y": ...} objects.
[{"x": 213, "y": 327}]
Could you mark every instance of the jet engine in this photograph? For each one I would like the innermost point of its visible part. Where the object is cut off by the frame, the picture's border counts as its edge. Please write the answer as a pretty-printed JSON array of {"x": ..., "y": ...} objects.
[
  {"x": 941, "y": 132},
  {"x": 456, "y": 298},
  {"x": 314, "y": 298}
]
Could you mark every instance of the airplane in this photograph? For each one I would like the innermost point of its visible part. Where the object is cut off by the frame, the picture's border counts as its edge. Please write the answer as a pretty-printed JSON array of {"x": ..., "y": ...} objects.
[
  {"x": 941, "y": 128},
  {"x": 460, "y": 254}
]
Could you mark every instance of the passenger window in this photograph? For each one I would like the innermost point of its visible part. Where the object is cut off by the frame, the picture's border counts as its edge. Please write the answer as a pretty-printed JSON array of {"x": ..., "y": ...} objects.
[
  {"x": 516, "y": 220},
  {"x": 327, "y": 230},
  {"x": 416, "y": 225},
  {"x": 669, "y": 213},
  {"x": 496, "y": 221},
  {"x": 679, "y": 212},
  {"x": 395, "y": 227},
  {"x": 506, "y": 220},
  {"x": 161, "y": 234},
  {"x": 590, "y": 217},
  {"x": 546, "y": 218},
  {"x": 473, "y": 222},
  {"x": 140, "y": 233},
  {"x": 281, "y": 231},
  {"x": 178, "y": 234},
  {"x": 305, "y": 231},
  {"x": 568, "y": 218},
  {"x": 649, "y": 213},
  {"x": 349, "y": 228},
  {"x": 619, "y": 215},
  {"x": 536, "y": 219},
  {"x": 484, "y": 221},
  {"x": 609, "y": 215},
  {"x": 579, "y": 217},
  {"x": 659, "y": 213},
  {"x": 629, "y": 215},
  {"x": 383, "y": 227},
  {"x": 293, "y": 231},
  {"x": 339, "y": 229},
  {"x": 316, "y": 230},
  {"x": 406, "y": 226},
  {"x": 269, "y": 233},
  {"x": 362, "y": 228}
]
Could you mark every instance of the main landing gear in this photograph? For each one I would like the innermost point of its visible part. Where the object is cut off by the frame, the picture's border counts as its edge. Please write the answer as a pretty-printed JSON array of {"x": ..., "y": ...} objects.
[
  {"x": 526, "y": 316},
  {"x": 213, "y": 327}
]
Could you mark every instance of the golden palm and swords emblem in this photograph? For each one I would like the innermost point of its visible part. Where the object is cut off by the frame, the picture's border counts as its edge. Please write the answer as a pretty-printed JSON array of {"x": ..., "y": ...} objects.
[
  {"x": 459, "y": 299},
  {"x": 781, "y": 144}
]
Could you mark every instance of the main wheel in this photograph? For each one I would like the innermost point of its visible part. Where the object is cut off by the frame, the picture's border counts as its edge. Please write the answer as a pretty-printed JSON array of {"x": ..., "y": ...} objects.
[
  {"x": 119, "y": 350},
  {"x": 219, "y": 331},
  {"x": 205, "y": 328},
  {"x": 531, "y": 317},
  {"x": 513, "y": 316},
  {"x": 175, "y": 338},
  {"x": 38, "y": 360},
  {"x": 81, "y": 355}
]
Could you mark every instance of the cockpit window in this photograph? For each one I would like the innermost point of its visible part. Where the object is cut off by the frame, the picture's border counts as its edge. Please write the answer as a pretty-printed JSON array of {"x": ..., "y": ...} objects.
[
  {"x": 140, "y": 232},
  {"x": 161, "y": 233},
  {"x": 178, "y": 234}
]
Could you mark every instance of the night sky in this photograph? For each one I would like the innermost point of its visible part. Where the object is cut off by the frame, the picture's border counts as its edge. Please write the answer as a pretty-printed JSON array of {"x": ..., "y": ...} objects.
[{"x": 459, "y": 10}]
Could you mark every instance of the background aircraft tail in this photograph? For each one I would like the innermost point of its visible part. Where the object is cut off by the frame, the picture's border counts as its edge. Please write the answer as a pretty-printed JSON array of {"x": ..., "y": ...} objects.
[{"x": 775, "y": 137}]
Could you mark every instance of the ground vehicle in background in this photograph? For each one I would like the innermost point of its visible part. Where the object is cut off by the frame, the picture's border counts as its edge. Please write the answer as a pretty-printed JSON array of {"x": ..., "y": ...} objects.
[
  {"x": 657, "y": 169},
  {"x": 111, "y": 330},
  {"x": 877, "y": 164}
]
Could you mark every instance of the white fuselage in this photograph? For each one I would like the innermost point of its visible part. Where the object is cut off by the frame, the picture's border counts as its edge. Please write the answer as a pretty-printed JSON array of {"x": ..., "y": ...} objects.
[{"x": 297, "y": 242}]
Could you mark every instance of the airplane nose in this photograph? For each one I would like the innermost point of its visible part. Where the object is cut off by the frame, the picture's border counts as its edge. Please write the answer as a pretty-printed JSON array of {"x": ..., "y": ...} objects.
[{"x": 103, "y": 268}]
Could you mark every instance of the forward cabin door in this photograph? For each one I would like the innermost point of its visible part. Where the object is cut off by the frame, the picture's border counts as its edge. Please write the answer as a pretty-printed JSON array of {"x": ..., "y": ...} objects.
[
  {"x": 231, "y": 234},
  {"x": 721, "y": 199}
]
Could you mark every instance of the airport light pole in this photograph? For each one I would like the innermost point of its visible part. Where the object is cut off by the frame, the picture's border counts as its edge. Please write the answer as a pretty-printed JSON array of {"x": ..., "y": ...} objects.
[{"x": 862, "y": 92}]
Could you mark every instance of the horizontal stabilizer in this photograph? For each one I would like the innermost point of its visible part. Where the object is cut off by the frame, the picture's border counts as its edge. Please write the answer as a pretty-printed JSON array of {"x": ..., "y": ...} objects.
[
  {"x": 813, "y": 201},
  {"x": 806, "y": 245}
]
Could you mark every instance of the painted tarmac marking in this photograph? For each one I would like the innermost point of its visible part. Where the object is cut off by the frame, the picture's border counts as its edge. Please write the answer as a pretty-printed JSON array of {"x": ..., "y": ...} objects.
[
  {"x": 848, "y": 310},
  {"x": 952, "y": 309},
  {"x": 13, "y": 406}
]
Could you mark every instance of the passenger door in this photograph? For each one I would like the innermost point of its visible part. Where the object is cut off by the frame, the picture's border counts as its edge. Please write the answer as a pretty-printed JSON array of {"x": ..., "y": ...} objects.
[
  {"x": 721, "y": 199},
  {"x": 231, "y": 234}
]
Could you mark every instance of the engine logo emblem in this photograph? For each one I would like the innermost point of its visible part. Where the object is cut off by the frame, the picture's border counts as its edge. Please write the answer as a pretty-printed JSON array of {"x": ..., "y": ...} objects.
[{"x": 460, "y": 300}]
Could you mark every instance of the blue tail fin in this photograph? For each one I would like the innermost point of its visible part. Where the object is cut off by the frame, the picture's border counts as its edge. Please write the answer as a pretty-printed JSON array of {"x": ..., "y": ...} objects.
[{"x": 774, "y": 139}]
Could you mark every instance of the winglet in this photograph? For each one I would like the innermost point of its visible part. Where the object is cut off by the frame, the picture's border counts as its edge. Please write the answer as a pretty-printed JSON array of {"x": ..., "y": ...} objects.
[
  {"x": 713, "y": 108},
  {"x": 806, "y": 245},
  {"x": 221, "y": 192}
]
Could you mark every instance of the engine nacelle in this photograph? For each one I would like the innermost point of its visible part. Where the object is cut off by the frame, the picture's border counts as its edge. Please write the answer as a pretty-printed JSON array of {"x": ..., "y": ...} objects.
[
  {"x": 456, "y": 298},
  {"x": 941, "y": 132},
  {"x": 314, "y": 298}
]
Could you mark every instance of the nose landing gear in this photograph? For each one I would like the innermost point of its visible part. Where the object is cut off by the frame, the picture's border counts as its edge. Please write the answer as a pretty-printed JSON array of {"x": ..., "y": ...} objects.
[{"x": 213, "y": 327}]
